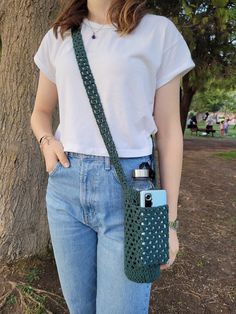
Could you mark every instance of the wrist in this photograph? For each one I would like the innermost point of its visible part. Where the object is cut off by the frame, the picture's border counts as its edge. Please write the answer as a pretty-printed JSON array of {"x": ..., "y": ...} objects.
[
  {"x": 45, "y": 135},
  {"x": 174, "y": 224},
  {"x": 45, "y": 140},
  {"x": 173, "y": 211}
]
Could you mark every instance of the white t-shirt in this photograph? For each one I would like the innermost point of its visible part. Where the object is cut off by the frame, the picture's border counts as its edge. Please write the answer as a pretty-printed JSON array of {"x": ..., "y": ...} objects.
[{"x": 127, "y": 72}]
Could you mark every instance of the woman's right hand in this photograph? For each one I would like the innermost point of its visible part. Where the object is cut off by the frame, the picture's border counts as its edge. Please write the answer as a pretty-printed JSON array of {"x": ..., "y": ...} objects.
[{"x": 53, "y": 152}]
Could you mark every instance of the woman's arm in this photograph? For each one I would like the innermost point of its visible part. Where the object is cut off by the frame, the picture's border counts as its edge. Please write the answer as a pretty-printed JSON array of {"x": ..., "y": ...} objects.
[
  {"x": 169, "y": 140},
  {"x": 45, "y": 104},
  {"x": 41, "y": 121}
]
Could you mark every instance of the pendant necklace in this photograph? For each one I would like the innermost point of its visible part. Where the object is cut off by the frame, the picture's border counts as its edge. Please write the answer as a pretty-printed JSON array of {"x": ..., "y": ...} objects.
[{"x": 94, "y": 32}]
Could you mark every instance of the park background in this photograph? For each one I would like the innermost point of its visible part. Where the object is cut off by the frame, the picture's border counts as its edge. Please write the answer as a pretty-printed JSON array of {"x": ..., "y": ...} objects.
[{"x": 202, "y": 280}]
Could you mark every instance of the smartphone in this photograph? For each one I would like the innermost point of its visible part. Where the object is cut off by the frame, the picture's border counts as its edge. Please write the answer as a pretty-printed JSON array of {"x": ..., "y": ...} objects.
[{"x": 152, "y": 198}]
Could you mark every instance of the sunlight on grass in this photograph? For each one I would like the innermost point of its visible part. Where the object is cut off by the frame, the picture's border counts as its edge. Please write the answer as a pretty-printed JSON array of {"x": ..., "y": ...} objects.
[{"x": 227, "y": 155}]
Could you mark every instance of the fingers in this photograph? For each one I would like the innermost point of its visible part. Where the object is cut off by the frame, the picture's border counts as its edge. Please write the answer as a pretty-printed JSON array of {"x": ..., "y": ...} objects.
[
  {"x": 58, "y": 157},
  {"x": 173, "y": 249},
  {"x": 63, "y": 158},
  {"x": 169, "y": 263},
  {"x": 165, "y": 266},
  {"x": 53, "y": 153}
]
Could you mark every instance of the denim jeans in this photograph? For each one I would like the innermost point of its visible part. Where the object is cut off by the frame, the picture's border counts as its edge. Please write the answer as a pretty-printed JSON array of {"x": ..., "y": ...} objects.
[{"x": 86, "y": 223}]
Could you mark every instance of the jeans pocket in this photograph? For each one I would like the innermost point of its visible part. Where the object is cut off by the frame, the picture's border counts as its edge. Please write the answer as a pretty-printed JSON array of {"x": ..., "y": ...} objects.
[{"x": 55, "y": 169}]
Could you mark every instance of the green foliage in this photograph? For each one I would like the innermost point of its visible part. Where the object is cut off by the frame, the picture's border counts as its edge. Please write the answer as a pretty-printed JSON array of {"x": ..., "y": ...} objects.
[
  {"x": 209, "y": 29},
  {"x": 167, "y": 8},
  {"x": 200, "y": 263},
  {"x": 214, "y": 100},
  {"x": 32, "y": 275},
  {"x": 11, "y": 299},
  {"x": 37, "y": 305},
  {"x": 191, "y": 113},
  {"x": 219, "y": 3}
]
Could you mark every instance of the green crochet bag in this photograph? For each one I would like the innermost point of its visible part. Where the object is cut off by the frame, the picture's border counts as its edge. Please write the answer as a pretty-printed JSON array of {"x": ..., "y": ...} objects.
[{"x": 146, "y": 230}]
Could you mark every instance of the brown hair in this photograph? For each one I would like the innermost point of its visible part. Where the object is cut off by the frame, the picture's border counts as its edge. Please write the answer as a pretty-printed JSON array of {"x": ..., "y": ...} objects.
[{"x": 126, "y": 14}]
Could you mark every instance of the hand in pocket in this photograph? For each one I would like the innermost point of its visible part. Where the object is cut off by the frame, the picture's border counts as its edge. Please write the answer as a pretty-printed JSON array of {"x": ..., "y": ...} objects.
[{"x": 54, "y": 152}]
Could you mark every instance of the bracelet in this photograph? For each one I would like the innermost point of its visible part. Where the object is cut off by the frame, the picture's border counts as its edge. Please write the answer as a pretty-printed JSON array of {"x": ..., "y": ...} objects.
[
  {"x": 47, "y": 135},
  {"x": 41, "y": 139},
  {"x": 46, "y": 138}
]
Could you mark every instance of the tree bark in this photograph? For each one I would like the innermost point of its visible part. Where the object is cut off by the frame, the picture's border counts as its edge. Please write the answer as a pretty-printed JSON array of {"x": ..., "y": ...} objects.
[
  {"x": 187, "y": 94},
  {"x": 23, "y": 224}
]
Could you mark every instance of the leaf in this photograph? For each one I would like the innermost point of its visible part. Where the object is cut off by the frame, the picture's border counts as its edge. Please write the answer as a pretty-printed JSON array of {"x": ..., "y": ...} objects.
[
  {"x": 187, "y": 9},
  {"x": 205, "y": 20},
  {"x": 219, "y": 3}
]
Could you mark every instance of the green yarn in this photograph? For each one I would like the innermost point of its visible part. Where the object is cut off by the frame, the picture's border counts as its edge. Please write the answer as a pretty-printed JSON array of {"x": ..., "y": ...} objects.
[{"x": 146, "y": 237}]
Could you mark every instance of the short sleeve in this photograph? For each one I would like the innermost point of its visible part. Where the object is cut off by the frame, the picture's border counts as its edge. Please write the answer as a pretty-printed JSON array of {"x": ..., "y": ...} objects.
[
  {"x": 176, "y": 57},
  {"x": 43, "y": 58}
]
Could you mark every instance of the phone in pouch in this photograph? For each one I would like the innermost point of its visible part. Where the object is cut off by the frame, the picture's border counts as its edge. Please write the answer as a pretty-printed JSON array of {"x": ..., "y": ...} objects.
[{"x": 153, "y": 198}]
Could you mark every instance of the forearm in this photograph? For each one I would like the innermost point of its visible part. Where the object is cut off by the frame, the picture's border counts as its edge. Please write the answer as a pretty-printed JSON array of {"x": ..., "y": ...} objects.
[
  {"x": 41, "y": 124},
  {"x": 170, "y": 152}
]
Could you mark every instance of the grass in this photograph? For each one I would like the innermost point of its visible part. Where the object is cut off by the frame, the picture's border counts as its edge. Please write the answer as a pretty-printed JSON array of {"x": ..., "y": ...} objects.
[
  {"x": 37, "y": 302},
  {"x": 30, "y": 299},
  {"x": 11, "y": 299},
  {"x": 32, "y": 275},
  {"x": 227, "y": 155},
  {"x": 181, "y": 252},
  {"x": 231, "y": 132},
  {"x": 200, "y": 263}
]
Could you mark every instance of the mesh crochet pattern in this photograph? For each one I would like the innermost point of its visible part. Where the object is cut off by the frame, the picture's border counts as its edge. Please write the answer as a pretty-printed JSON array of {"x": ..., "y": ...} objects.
[{"x": 146, "y": 229}]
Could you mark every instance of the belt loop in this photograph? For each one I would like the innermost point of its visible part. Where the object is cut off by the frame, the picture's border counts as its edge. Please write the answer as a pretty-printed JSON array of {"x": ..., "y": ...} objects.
[{"x": 107, "y": 162}]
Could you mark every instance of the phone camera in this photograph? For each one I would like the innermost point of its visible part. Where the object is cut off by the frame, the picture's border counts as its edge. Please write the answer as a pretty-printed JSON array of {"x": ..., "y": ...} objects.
[{"x": 148, "y": 200}]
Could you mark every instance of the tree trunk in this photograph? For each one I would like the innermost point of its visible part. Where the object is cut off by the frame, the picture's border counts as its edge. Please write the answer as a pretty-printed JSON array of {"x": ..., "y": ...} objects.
[
  {"x": 23, "y": 224},
  {"x": 187, "y": 94}
]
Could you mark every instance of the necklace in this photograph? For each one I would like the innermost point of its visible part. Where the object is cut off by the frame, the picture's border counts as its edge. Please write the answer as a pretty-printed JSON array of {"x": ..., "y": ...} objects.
[{"x": 94, "y": 32}]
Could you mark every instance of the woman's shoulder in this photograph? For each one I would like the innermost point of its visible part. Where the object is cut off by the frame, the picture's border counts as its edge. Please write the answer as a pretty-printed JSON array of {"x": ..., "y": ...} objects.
[
  {"x": 54, "y": 36},
  {"x": 157, "y": 21},
  {"x": 156, "y": 18},
  {"x": 163, "y": 28}
]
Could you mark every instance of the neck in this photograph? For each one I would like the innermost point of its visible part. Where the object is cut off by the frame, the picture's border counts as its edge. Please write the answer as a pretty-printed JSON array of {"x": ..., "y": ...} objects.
[{"x": 98, "y": 10}]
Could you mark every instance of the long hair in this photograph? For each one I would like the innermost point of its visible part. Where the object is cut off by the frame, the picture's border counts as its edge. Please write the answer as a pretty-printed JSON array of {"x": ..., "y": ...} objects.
[{"x": 126, "y": 14}]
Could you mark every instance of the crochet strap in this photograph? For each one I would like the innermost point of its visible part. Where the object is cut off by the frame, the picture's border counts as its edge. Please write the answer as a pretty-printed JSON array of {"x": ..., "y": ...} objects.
[{"x": 97, "y": 107}]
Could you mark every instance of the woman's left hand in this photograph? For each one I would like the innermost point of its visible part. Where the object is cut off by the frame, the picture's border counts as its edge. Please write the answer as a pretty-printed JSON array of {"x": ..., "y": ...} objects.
[{"x": 173, "y": 248}]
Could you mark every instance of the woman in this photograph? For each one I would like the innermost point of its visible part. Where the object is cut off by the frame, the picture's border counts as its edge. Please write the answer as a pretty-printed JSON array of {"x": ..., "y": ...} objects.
[{"x": 137, "y": 59}]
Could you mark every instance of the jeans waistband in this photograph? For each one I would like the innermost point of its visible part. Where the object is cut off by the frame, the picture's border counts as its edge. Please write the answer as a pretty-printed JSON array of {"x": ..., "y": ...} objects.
[
  {"x": 82, "y": 156},
  {"x": 105, "y": 159}
]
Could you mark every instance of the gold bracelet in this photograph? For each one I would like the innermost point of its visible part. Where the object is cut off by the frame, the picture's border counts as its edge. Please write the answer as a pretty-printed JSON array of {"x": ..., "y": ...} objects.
[
  {"x": 45, "y": 139},
  {"x": 45, "y": 135}
]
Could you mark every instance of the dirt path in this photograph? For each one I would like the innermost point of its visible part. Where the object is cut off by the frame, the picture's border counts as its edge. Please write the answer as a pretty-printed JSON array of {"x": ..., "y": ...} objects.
[
  {"x": 202, "y": 280},
  {"x": 203, "y": 277}
]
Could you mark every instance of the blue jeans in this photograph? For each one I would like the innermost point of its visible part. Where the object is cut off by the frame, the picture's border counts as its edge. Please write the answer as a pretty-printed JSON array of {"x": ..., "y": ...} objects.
[{"x": 86, "y": 222}]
